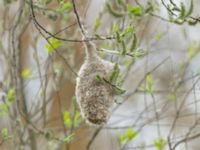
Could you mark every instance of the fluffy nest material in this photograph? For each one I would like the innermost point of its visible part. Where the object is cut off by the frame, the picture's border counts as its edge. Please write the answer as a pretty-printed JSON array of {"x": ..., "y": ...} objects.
[{"x": 95, "y": 98}]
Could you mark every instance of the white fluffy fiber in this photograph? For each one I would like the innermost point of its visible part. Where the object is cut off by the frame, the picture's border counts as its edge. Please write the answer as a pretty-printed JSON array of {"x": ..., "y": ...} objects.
[{"x": 94, "y": 98}]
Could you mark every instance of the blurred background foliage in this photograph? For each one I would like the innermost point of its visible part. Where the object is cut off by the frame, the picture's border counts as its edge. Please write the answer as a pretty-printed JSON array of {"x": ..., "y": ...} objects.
[{"x": 155, "y": 45}]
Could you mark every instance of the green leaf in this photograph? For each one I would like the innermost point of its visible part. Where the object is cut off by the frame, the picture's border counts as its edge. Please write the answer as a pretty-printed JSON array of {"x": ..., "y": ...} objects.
[
  {"x": 183, "y": 11},
  {"x": 26, "y": 73},
  {"x": 149, "y": 83},
  {"x": 115, "y": 28},
  {"x": 11, "y": 95},
  {"x": 4, "y": 109},
  {"x": 65, "y": 6},
  {"x": 121, "y": 138},
  {"x": 115, "y": 74},
  {"x": 191, "y": 9},
  {"x": 128, "y": 30},
  {"x": 118, "y": 37},
  {"x": 172, "y": 97},
  {"x": 116, "y": 89},
  {"x": 53, "y": 44},
  {"x": 136, "y": 11},
  {"x": 70, "y": 120},
  {"x": 68, "y": 138},
  {"x": 158, "y": 36},
  {"x": 127, "y": 137},
  {"x": 98, "y": 78},
  {"x": 131, "y": 134},
  {"x": 67, "y": 119},
  {"x": 193, "y": 49},
  {"x": 97, "y": 23},
  {"x": 190, "y": 52},
  {"x": 160, "y": 143},
  {"x": 133, "y": 44},
  {"x": 119, "y": 80},
  {"x": 123, "y": 49},
  {"x": 4, "y": 133},
  {"x": 139, "y": 53},
  {"x": 128, "y": 62},
  {"x": 179, "y": 21},
  {"x": 77, "y": 119},
  {"x": 104, "y": 46},
  {"x": 68, "y": 5}
]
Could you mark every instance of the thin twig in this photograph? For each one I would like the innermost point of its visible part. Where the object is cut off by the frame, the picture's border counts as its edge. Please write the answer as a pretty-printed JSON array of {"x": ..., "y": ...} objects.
[{"x": 93, "y": 138}]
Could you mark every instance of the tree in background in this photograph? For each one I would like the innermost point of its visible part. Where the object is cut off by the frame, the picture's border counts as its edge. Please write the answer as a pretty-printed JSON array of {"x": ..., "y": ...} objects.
[{"x": 155, "y": 45}]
